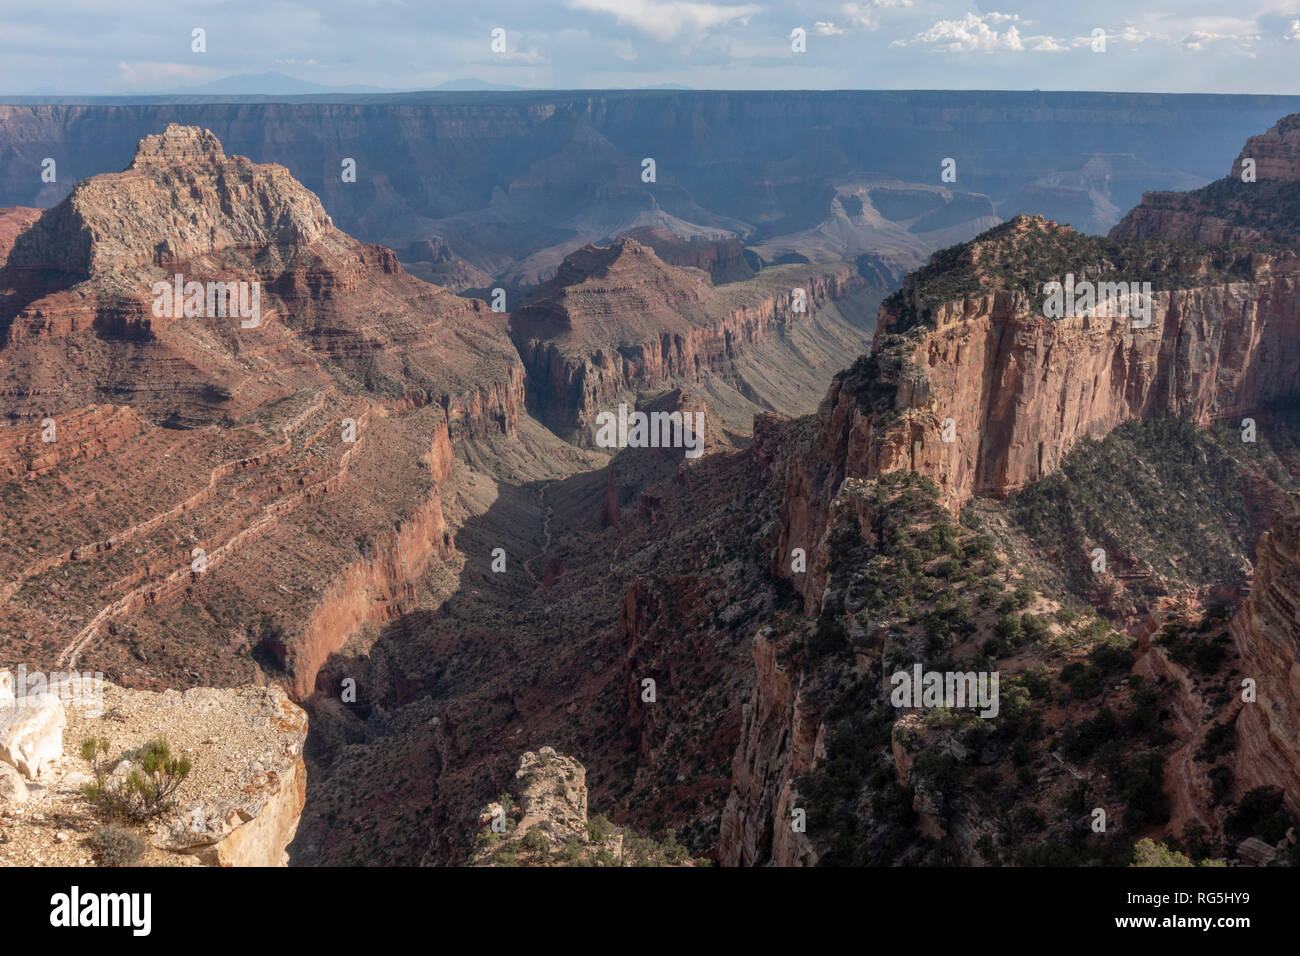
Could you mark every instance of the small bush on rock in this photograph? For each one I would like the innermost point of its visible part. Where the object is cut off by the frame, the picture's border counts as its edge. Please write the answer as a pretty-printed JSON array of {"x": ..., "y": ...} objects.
[{"x": 116, "y": 846}]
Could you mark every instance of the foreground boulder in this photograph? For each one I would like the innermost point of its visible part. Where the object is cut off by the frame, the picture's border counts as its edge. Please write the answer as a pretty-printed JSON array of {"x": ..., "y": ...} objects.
[{"x": 31, "y": 732}]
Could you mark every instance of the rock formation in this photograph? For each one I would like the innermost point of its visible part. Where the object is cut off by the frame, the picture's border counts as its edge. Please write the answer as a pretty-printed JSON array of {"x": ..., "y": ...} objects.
[
  {"x": 723, "y": 259},
  {"x": 757, "y": 820},
  {"x": 616, "y": 320},
  {"x": 31, "y": 729},
  {"x": 546, "y": 824},
  {"x": 1268, "y": 640},
  {"x": 239, "y": 805},
  {"x": 1258, "y": 199},
  {"x": 308, "y": 478},
  {"x": 966, "y": 344},
  {"x": 983, "y": 393}
]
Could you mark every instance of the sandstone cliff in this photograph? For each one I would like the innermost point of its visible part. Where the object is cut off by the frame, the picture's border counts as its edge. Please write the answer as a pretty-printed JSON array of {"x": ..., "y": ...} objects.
[
  {"x": 306, "y": 472},
  {"x": 1267, "y": 638},
  {"x": 978, "y": 390},
  {"x": 781, "y": 738}
]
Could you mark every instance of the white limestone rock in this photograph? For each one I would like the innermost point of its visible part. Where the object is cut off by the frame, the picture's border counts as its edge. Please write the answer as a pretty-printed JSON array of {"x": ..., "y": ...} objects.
[{"x": 31, "y": 733}]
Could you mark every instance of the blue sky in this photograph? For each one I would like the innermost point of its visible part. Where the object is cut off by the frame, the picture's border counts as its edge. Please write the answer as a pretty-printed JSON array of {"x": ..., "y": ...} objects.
[{"x": 1231, "y": 47}]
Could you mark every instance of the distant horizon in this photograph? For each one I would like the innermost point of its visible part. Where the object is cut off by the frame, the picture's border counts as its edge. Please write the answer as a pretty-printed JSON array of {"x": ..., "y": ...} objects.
[
  {"x": 450, "y": 89},
  {"x": 154, "y": 48}
]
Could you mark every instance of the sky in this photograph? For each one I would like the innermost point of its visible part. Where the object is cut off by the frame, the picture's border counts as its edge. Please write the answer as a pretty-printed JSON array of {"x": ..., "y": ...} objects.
[{"x": 106, "y": 47}]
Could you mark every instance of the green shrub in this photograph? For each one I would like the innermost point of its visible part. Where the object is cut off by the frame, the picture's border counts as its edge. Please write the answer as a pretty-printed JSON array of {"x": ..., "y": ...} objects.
[
  {"x": 115, "y": 846},
  {"x": 146, "y": 792},
  {"x": 1218, "y": 741},
  {"x": 1035, "y": 627},
  {"x": 1009, "y": 630},
  {"x": 599, "y": 829},
  {"x": 1261, "y": 813},
  {"x": 1149, "y": 853},
  {"x": 536, "y": 841}
]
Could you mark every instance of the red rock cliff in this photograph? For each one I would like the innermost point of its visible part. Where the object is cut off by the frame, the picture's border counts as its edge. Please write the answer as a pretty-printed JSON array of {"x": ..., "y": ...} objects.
[
  {"x": 1268, "y": 639},
  {"x": 990, "y": 395}
]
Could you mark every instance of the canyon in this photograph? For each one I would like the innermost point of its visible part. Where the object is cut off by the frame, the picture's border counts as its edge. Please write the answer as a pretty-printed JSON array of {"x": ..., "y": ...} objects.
[
  {"x": 965, "y": 344},
  {"x": 504, "y": 185},
  {"x": 388, "y": 499}
]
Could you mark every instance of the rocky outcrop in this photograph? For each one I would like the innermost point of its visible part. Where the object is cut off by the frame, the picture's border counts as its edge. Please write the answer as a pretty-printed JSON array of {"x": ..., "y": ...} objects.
[
  {"x": 1266, "y": 636},
  {"x": 238, "y": 806},
  {"x": 1020, "y": 390},
  {"x": 547, "y": 814},
  {"x": 545, "y": 823},
  {"x": 248, "y": 822},
  {"x": 617, "y": 319},
  {"x": 149, "y": 215},
  {"x": 31, "y": 729},
  {"x": 781, "y": 737},
  {"x": 984, "y": 394},
  {"x": 723, "y": 259}
]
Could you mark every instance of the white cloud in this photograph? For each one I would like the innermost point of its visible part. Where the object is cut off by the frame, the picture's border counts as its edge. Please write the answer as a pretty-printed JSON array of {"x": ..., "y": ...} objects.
[
  {"x": 1293, "y": 32},
  {"x": 1199, "y": 40},
  {"x": 1046, "y": 44},
  {"x": 863, "y": 13},
  {"x": 1126, "y": 34},
  {"x": 978, "y": 33},
  {"x": 665, "y": 19},
  {"x": 826, "y": 28}
]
